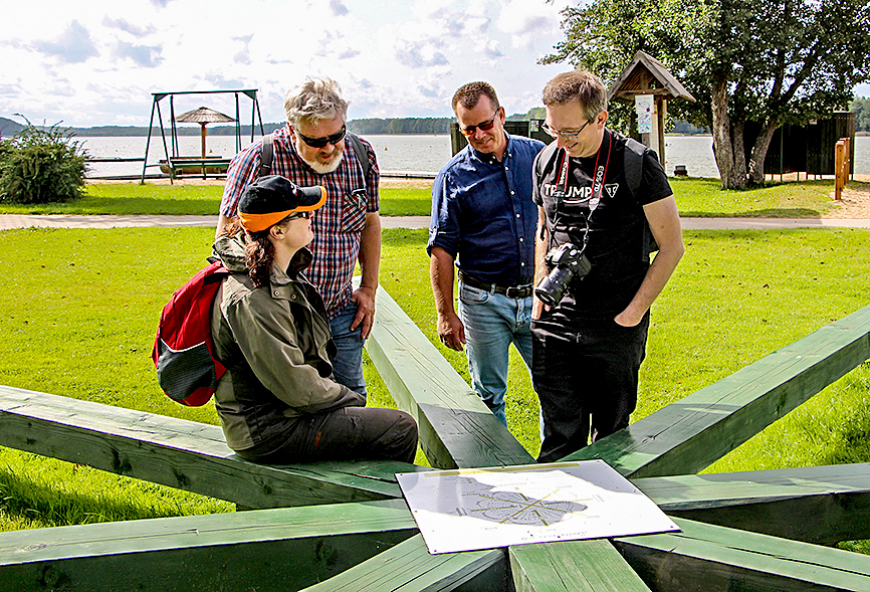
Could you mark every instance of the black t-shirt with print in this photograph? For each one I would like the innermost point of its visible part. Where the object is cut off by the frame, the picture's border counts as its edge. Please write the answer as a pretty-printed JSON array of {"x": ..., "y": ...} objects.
[{"x": 615, "y": 244}]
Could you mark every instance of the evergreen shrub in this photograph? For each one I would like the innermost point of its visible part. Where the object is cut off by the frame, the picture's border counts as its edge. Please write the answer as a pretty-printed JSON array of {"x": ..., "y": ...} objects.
[{"x": 41, "y": 165}]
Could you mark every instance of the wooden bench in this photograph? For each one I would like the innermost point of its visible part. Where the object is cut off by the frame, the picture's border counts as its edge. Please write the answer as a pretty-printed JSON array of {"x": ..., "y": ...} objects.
[
  {"x": 278, "y": 549},
  {"x": 180, "y": 165},
  {"x": 183, "y": 454},
  {"x": 692, "y": 433},
  {"x": 725, "y": 556}
]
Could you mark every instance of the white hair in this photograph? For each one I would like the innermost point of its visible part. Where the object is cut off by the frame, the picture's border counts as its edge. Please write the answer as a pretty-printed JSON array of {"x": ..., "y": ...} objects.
[{"x": 314, "y": 100}]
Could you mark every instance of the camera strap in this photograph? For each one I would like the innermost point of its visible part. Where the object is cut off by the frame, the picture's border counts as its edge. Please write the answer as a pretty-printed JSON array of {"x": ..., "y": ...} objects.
[{"x": 597, "y": 182}]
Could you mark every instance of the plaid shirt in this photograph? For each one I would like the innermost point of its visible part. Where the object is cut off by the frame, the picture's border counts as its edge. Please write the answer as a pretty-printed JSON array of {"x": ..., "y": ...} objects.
[{"x": 337, "y": 225}]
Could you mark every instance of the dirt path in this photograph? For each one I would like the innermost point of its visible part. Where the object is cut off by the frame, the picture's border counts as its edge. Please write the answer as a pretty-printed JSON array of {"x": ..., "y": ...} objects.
[{"x": 855, "y": 202}]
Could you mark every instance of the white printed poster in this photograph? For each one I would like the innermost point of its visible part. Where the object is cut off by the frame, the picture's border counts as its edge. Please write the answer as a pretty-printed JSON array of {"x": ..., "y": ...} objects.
[
  {"x": 645, "y": 107},
  {"x": 473, "y": 509}
]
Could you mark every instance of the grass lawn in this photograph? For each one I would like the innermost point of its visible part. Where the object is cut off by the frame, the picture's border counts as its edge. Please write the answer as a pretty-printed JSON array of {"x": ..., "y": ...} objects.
[
  {"x": 695, "y": 197},
  {"x": 80, "y": 309}
]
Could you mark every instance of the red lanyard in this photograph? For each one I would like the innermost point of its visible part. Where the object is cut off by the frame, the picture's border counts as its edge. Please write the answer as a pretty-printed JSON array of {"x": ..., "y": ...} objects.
[{"x": 597, "y": 181}]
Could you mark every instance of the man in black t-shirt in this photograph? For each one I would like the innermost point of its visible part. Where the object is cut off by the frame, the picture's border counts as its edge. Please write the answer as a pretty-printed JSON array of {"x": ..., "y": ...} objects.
[{"x": 588, "y": 347}]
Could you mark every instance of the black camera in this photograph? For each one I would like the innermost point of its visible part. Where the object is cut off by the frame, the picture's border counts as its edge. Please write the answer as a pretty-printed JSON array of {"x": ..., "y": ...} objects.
[{"x": 567, "y": 262}]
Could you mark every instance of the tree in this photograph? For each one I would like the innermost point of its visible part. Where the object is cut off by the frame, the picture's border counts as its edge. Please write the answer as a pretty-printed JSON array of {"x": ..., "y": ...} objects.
[{"x": 753, "y": 66}]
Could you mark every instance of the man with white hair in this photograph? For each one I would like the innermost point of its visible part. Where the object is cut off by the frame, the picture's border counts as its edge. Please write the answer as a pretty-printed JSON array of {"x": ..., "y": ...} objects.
[{"x": 313, "y": 149}]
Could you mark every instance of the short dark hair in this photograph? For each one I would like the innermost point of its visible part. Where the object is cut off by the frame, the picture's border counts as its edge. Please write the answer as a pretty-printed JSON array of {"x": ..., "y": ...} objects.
[
  {"x": 577, "y": 85},
  {"x": 469, "y": 94}
]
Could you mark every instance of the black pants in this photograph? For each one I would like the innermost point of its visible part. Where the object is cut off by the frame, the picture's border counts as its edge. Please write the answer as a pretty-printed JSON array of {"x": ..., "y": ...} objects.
[
  {"x": 586, "y": 378},
  {"x": 351, "y": 433}
]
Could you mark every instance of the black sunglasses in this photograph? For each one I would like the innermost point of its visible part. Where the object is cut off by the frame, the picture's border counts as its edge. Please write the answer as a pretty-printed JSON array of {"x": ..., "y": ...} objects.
[
  {"x": 485, "y": 126},
  {"x": 321, "y": 142},
  {"x": 298, "y": 215}
]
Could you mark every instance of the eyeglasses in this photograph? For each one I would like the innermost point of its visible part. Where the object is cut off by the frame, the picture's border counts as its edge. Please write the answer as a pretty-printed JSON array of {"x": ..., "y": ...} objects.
[
  {"x": 485, "y": 126},
  {"x": 564, "y": 135},
  {"x": 297, "y": 215},
  {"x": 321, "y": 142}
]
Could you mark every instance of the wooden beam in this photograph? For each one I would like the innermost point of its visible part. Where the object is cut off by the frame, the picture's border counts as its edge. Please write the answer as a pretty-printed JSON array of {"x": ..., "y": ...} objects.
[
  {"x": 690, "y": 434},
  {"x": 706, "y": 557},
  {"x": 178, "y": 453},
  {"x": 821, "y": 505},
  {"x": 456, "y": 428},
  {"x": 573, "y": 566},
  {"x": 282, "y": 549},
  {"x": 408, "y": 567}
]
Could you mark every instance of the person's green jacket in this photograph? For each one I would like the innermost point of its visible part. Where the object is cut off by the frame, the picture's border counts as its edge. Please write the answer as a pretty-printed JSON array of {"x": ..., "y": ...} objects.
[{"x": 275, "y": 342}]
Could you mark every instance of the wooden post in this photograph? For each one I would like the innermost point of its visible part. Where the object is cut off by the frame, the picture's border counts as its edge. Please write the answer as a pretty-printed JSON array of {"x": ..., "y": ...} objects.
[
  {"x": 661, "y": 106},
  {"x": 842, "y": 166},
  {"x": 840, "y": 156}
]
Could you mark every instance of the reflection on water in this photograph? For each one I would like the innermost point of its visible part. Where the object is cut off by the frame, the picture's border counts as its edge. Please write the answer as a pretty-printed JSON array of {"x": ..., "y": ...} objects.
[{"x": 402, "y": 153}]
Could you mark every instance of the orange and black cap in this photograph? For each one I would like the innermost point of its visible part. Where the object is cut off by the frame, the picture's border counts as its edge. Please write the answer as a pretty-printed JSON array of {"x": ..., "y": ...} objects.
[{"x": 270, "y": 199}]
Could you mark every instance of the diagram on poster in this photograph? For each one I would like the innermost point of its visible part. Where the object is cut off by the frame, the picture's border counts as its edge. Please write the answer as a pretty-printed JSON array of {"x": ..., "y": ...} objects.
[
  {"x": 472, "y": 509},
  {"x": 644, "y": 106}
]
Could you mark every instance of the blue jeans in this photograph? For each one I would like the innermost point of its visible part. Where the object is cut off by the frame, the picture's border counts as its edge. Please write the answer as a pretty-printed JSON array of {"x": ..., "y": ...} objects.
[
  {"x": 492, "y": 322},
  {"x": 347, "y": 364}
]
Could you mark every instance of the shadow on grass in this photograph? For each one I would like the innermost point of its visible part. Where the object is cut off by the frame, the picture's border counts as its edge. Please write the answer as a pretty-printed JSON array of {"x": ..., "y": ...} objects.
[
  {"x": 765, "y": 213},
  {"x": 46, "y": 507},
  {"x": 120, "y": 206},
  {"x": 404, "y": 237}
]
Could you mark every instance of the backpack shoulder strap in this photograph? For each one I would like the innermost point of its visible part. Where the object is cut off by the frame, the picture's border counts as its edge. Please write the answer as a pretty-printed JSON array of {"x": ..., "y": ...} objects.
[
  {"x": 544, "y": 157},
  {"x": 542, "y": 162},
  {"x": 266, "y": 156},
  {"x": 633, "y": 164},
  {"x": 633, "y": 168},
  {"x": 362, "y": 154}
]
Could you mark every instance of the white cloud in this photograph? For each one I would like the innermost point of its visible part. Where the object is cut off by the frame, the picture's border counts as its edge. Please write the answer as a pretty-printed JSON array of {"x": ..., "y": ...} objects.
[
  {"x": 97, "y": 62},
  {"x": 74, "y": 45}
]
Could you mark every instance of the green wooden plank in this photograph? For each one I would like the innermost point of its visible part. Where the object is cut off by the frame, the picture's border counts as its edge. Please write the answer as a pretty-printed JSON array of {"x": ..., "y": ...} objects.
[
  {"x": 707, "y": 557},
  {"x": 573, "y": 566},
  {"x": 456, "y": 428},
  {"x": 282, "y": 549},
  {"x": 179, "y": 453},
  {"x": 692, "y": 433},
  {"x": 408, "y": 567},
  {"x": 821, "y": 505}
]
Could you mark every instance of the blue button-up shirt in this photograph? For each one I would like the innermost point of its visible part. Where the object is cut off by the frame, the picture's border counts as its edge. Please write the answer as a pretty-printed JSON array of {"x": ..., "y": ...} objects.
[{"x": 483, "y": 213}]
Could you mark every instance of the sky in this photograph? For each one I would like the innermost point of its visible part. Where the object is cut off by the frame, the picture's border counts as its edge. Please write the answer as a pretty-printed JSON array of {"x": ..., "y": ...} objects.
[{"x": 97, "y": 62}]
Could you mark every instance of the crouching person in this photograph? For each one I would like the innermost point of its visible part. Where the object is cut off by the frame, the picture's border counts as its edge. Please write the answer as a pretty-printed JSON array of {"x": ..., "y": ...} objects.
[{"x": 277, "y": 402}]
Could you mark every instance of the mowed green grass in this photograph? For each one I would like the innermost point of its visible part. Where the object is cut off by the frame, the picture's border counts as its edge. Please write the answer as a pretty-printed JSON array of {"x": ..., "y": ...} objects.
[
  {"x": 695, "y": 197},
  {"x": 80, "y": 309}
]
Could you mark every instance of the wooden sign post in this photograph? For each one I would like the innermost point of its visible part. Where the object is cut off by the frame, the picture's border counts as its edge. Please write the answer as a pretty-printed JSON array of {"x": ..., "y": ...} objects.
[{"x": 646, "y": 76}]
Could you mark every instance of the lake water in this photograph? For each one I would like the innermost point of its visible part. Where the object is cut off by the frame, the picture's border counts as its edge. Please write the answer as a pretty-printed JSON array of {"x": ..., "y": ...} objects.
[{"x": 400, "y": 153}]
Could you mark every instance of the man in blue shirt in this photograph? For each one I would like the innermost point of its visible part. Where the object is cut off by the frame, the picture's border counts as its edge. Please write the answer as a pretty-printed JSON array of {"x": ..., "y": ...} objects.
[{"x": 483, "y": 214}]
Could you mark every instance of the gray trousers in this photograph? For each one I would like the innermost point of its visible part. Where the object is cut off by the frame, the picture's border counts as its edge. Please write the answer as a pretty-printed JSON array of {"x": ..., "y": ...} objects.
[{"x": 350, "y": 433}]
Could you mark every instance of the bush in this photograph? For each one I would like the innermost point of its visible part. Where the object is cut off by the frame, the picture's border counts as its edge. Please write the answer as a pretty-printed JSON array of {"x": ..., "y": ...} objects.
[{"x": 41, "y": 165}]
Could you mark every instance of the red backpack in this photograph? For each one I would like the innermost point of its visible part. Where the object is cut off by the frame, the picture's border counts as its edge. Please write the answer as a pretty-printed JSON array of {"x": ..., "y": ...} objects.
[{"x": 183, "y": 350}]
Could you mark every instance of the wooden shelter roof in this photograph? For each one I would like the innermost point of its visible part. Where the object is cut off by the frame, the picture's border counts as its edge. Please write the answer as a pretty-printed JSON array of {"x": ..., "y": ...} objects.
[
  {"x": 645, "y": 75},
  {"x": 203, "y": 115}
]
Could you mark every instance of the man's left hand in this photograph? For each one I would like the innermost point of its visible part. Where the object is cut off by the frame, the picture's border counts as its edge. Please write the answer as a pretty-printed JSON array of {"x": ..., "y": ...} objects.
[
  {"x": 365, "y": 310},
  {"x": 625, "y": 319}
]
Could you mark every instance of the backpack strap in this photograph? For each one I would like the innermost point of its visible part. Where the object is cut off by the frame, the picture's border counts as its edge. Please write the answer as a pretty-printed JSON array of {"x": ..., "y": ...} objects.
[
  {"x": 266, "y": 156},
  {"x": 362, "y": 155},
  {"x": 543, "y": 162},
  {"x": 633, "y": 168},
  {"x": 544, "y": 158}
]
